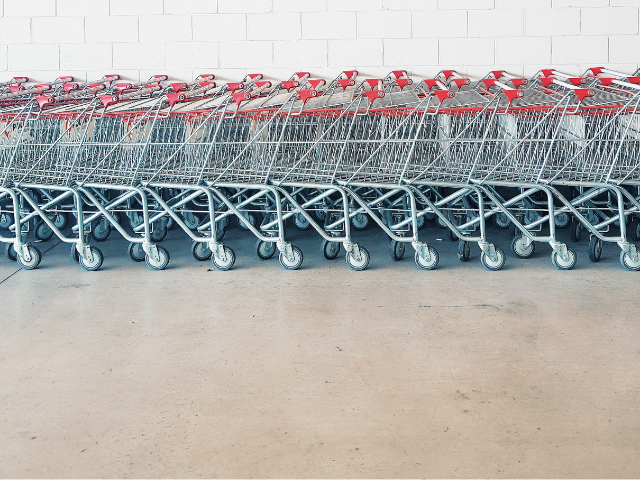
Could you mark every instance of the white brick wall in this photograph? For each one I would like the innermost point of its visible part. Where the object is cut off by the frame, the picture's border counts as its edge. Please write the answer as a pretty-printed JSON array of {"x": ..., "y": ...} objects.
[{"x": 182, "y": 38}]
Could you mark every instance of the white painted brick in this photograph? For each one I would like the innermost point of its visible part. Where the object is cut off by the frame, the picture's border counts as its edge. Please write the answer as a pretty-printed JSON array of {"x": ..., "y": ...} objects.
[
  {"x": 84, "y": 8},
  {"x": 15, "y": 30},
  {"x": 413, "y": 5},
  {"x": 580, "y": 50},
  {"x": 331, "y": 26},
  {"x": 353, "y": 5},
  {"x": 185, "y": 7},
  {"x": 274, "y": 26},
  {"x": 384, "y": 24},
  {"x": 580, "y": 3},
  {"x": 111, "y": 29},
  {"x": 94, "y": 56},
  {"x": 466, "y": 51},
  {"x": 221, "y": 27},
  {"x": 246, "y": 54},
  {"x": 624, "y": 49},
  {"x": 518, "y": 50},
  {"x": 500, "y": 4},
  {"x": 304, "y": 54},
  {"x": 299, "y": 6},
  {"x": 166, "y": 28},
  {"x": 411, "y": 52},
  {"x": 555, "y": 22},
  {"x": 355, "y": 53},
  {"x": 3, "y": 57},
  {"x": 199, "y": 55},
  {"x": 137, "y": 56},
  {"x": 244, "y": 6},
  {"x": 33, "y": 57},
  {"x": 35, "y": 8},
  {"x": 465, "y": 4},
  {"x": 136, "y": 7},
  {"x": 496, "y": 23},
  {"x": 438, "y": 24},
  {"x": 58, "y": 30},
  {"x": 624, "y": 3},
  {"x": 610, "y": 21}
]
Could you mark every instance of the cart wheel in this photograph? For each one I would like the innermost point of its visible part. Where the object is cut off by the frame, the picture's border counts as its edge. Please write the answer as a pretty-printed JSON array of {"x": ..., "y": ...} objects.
[
  {"x": 421, "y": 221},
  {"x": 266, "y": 250},
  {"x": 250, "y": 217},
  {"x": 360, "y": 221},
  {"x": 628, "y": 263},
  {"x": 501, "y": 220},
  {"x": 191, "y": 220},
  {"x": 159, "y": 233},
  {"x": 36, "y": 256},
  {"x": 163, "y": 255},
  {"x": 427, "y": 264},
  {"x": 136, "y": 252},
  {"x": 518, "y": 246},
  {"x": 221, "y": 230},
  {"x": 633, "y": 229},
  {"x": 575, "y": 231},
  {"x": 96, "y": 260},
  {"x": 320, "y": 214},
  {"x": 61, "y": 220},
  {"x": 330, "y": 250},
  {"x": 101, "y": 231},
  {"x": 74, "y": 253},
  {"x": 452, "y": 235},
  {"x": 6, "y": 220},
  {"x": 230, "y": 259},
  {"x": 491, "y": 264},
  {"x": 397, "y": 249},
  {"x": 171, "y": 223},
  {"x": 301, "y": 222},
  {"x": 43, "y": 232},
  {"x": 10, "y": 251},
  {"x": 564, "y": 264},
  {"x": 201, "y": 251},
  {"x": 358, "y": 264},
  {"x": 297, "y": 259},
  {"x": 595, "y": 249},
  {"x": 562, "y": 220},
  {"x": 464, "y": 250}
]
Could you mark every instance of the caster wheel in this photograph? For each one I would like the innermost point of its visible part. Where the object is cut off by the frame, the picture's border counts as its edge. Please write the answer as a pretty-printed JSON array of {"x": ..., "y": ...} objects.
[
  {"x": 96, "y": 260},
  {"x": 11, "y": 252},
  {"x": 136, "y": 252},
  {"x": 191, "y": 220},
  {"x": 358, "y": 264},
  {"x": 221, "y": 230},
  {"x": 421, "y": 221},
  {"x": 74, "y": 253},
  {"x": 464, "y": 250},
  {"x": 562, "y": 264},
  {"x": 562, "y": 220},
  {"x": 595, "y": 249},
  {"x": 201, "y": 251},
  {"x": 628, "y": 263},
  {"x": 633, "y": 229},
  {"x": 297, "y": 259},
  {"x": 360, "y": 221},
  {"x": 397, "y": 249},
  {"x": 6, "y": 220},
  {"x": 159, "y": 233},
  {"x": 101, "y": 231},
  {"x": 162, "y": 262},
  {"x": 266, "y": 250},
  {"x": 330, "y": 250},
  {"x": 248, "y": 217},
  {"x": 575, "y": 231},
  {"x": 519, "y": 248},
  {"x": 61, "y": 220},
  {"x": 43, "y": 232},
  {"x": 427, "y": 264},
  {"x": 301, "y": 222},
  {"x": 320, "y": 214},
  {"x": 171, "y": 223},
  {"x": 33, "y": 262},
  {"x": 501, "y": 220},
  {"x": 227, "y": 263},
  {"x": 496, "y": 264}
]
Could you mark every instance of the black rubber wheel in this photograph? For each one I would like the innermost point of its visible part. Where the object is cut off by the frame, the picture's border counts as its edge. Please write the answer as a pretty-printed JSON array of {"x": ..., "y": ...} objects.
[
  {"x": 633, "y": 229},
  {"x": 358, "y": 264},
  {"x": 10, "y": 251},
  {"x": 595, "y": 249},
  {"x": 74, "y": 253},
  {"x": 159, "y": 233},
  {"x": 101, "y": 231},
  {"x": 431, "y": 263},
  {"x": 297, "y": 259},
  {"x": 565, "y": 264},
  {"x": 96, "y": 261},
  {"x": 330, "y": 250},
  {"x": 562, "y": 220},
  {"x": 496, "y": 264},
  {"x": 360, "y": 221},
  {"x": 517, "y": 245},
  {"x": 266, "y": 250},
  {"x": 501, "y": 220},
  {"x": 61, "y": 220},
  {"x": 43, "y": 232},
  {"x": 6, "y": 220},
  {"x": 136, "y": 252},
  {"x": 397, "y": 250},
  {"x": 464, "y": 250},
  {"x": 201, "y": 251},
  {"x": 227, "y": 263},
  {"x": 301, "y": 222},
  {"x": 34, "y": 261},
  {"x": 575, "y": 230},
  {"x": 162, "y": 262}
]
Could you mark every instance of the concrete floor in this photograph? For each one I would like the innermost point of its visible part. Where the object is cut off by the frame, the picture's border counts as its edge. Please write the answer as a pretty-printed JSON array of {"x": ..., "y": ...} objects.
[{"x": 321, "y": 372}]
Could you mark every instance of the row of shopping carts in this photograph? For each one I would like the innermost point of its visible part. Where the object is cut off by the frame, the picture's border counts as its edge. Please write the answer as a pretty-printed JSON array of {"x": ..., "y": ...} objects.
[{"x": 79, "y": 160}]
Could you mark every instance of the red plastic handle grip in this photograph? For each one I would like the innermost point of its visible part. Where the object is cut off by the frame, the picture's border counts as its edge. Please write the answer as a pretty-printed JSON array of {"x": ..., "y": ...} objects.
[
  {"x": 302, "y": 75},
  {"x": 15, "y": 88},
  {"x": 108, "y": 100},
  {"x": 318, "y": 82},
  {"x": 207, "y": 84},
  {"x": 403, "y": 82},
  {"x": 235, "y": 86},
  {"x": 399, "y": 73},
  {"x": 174, "y": 98},
  {"x": 578, "y": 81},
  {"x": 497, "y": 73},
  {"x": 373, "y": 82},
  {"x": 513, "y": 94},
  {"x": 178, "y": 87},
  {"x": 305, "y": 95},
  {"x": 546, "y": 81},
  {"x": 255, "y": 76},
  {"x": 583, "y": 93},
  {"x": 547, "y": 72},
  {"x": 373, "y": 94},
  {"x": 448, "y": 73},
  {"x": 518, "y": 82},
  {"x": 350, "y": 82},
  {"x": 489, "y": 82},
  {"x": 351, "y": 73},
  {"x": 43, "y": 101},
  {"x": 206, "y": 77},
  {"x": 69, "y": 86},
  {"x": 112, "y": 77},
  {"x": 606, "y": 81},
  {"x": 634, "y": 80},
  {"x": 444, "y": 94},
  {"x": 66, "y": 78},
  {"x": 460, "y": 82},
  {"x": 240, "y": 97},
  {"x": 431, "y": 83},
  {"x": 160, "y": 78},
  {"x": 266, "y": 84},
  {"x": 596, "y": 70},
  {"x": 20, "y": 80},
  {"x": 290, "y": 84}
]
